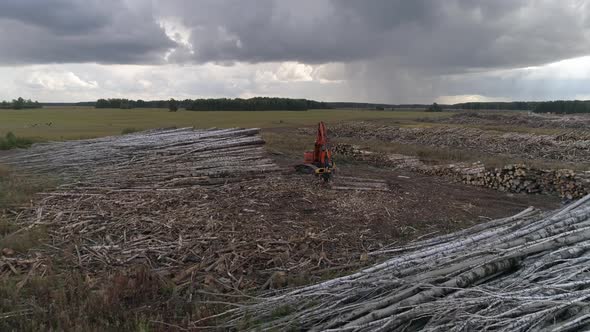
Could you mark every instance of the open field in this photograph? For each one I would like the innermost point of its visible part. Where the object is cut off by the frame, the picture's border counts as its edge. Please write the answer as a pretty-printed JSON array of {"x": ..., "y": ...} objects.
[
  {"x": 87, "y": 122},
  {"x": 160, "y": 230}
]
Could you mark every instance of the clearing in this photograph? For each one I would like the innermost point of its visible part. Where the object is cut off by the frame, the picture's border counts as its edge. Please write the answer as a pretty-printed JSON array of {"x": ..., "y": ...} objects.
[{"x": 150, "y": 228}]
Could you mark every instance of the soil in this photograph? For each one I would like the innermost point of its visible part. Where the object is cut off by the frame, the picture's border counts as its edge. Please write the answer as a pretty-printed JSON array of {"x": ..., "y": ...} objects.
[{"x": 283, "y": 229}]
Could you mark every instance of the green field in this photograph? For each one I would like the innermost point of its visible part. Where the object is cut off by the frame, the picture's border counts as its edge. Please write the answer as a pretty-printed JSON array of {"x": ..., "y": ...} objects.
[{"x": 86, "y": 122}]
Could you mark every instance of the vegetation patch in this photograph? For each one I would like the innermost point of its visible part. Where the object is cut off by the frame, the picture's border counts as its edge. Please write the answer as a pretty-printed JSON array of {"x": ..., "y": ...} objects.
[
  {"x": 20, "y": 103},
  {"x": 11, "y": 141},
  {"x": 17, "y": 189},
  {"x": 129, "y": 130}
]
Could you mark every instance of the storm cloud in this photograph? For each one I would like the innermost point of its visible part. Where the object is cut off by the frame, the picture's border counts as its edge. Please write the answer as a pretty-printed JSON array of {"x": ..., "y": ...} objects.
[
  {"x": 74, "y": 31},
  {"x": 450, "y": 34},
  {"x": 378, "y": 50}
]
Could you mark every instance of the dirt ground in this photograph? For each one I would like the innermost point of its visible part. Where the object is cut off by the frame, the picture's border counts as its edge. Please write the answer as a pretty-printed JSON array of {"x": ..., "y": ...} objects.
[
  {"x": 284, "y": 229},
  {"x": 279, "y": 229}
]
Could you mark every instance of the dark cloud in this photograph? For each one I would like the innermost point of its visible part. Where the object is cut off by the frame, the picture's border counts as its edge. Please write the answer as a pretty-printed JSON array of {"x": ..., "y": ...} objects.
[
  {"x": 375, "y": 50},
  {"x": 59, "y": 16},
  {"x": 453, "y": 34},
  {"x": 60, "y": 31},
  {"x": 450, "y": 35}
]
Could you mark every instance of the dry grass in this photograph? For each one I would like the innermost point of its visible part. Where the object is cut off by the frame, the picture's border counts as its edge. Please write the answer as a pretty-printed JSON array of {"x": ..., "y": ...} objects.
[
  {"x": 288, "y": 143},
  {"x": 82, "y": 122},
  {"x": 67, "y": 300},
  {"x": 17, "y": 189}
]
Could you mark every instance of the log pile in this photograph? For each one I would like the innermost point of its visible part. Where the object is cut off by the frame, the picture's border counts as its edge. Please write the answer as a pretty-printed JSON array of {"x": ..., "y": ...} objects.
[
  {"x": 570, "y": 146},
  {"x": 523, "y": 179},
  {"x": 527, "y": 272},
  {"x": 200, "y": 207},
  {"x": 529, "y": 120},
  {"x": 162, "y": 158},
  {"x": 517, "y": 178}
]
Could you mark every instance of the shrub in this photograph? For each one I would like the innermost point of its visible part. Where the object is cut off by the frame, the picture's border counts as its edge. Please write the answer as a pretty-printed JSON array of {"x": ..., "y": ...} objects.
[
  {"x": 172, "y": 105},
  {"x": 11, "y": 141},
  {"x": 434, "y": 108},
  {"x": 129, "y": 130}
]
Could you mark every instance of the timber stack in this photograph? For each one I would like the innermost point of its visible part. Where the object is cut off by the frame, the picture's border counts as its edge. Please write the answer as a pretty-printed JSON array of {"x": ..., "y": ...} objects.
[
  {"x": 527, "y": 272},
  {"x": 517, "y": 178},
  {"x": 159, "y": 158}
]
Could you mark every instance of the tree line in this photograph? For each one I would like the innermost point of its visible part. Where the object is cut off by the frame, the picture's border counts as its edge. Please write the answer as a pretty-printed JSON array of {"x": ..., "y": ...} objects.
[
  {"x": 564, "y": 106},
  {"x": 217, "y": 104},
  {"x": 556, "y": 106},
  {"x": 20, "y": 103},
  {"x": 505, "y": 106}
]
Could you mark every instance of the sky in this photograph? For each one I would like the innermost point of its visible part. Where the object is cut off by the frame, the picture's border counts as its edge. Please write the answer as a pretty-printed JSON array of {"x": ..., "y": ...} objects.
[{"x": 386, "y": 51}]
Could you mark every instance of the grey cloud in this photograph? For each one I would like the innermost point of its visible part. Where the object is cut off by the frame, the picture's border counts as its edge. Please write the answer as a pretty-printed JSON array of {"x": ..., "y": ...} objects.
[
  {"x": 376, "y": 50},
  {"x": 60, "y": 16},
  {"x": 453, "y": 34},
  {"x": 62, "y": 31},
  {"x": 444, "y": 36}
]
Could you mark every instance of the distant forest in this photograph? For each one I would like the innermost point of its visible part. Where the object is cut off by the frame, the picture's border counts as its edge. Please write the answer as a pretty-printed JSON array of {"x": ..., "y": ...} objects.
[
  {"x": 20, "y": 103},
  {"x": 289, "y": 104},
  {"x": 563, "y": 106},
  {"x": 219, "y": 104},
  {"x": 513, "y": 105},
  {"x": 559, "y": 106}
]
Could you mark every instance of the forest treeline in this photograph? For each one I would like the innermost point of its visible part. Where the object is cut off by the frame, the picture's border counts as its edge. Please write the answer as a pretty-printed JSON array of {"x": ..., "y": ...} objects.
[
  {"x": 290, "y": 104},
  {"x": 218, "y": 104},
  {"x": 564, "y": 106},
  {"x": 19, "y": 103},
  {"x": 557, "y": 106},
  {"x": 511, "y": 105},
  {"x": 515, "y": 105}
]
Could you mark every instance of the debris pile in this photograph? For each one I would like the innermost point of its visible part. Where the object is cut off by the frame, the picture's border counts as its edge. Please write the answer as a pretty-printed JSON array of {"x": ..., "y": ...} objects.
[
  {"x": 571, "y": 146},
  {"x": 530, "y": 120},
  {"x": 517, "y": 178},
  {"x": 200, "y": 207},
  {"x": 521, "y": 273}
]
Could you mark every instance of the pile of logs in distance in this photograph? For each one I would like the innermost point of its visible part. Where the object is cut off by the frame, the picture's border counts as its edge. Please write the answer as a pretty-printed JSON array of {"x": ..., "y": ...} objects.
[
  {"x": 517, "y": 178},
  {"x": 522, "y": 179}
]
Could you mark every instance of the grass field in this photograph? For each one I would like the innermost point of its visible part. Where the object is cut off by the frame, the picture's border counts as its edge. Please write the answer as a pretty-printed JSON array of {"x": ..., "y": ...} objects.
[{"x": 86, "y": 122}]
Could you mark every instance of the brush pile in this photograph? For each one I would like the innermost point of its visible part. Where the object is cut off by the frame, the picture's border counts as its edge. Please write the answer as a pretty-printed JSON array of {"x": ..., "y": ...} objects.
[
  {"x": 571, "y": 146},
  {"x": 522, "y": 273}
]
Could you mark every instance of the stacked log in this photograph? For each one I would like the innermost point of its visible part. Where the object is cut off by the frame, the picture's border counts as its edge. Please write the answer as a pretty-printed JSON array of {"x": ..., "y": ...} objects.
[
  {"x": 155, "y": 158},
  {"x": 520, "y": 178},
  {"x": 527, "y": 272},
  {"x": 345, "y": 150},
  {"x": 515, "y": 178}
]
